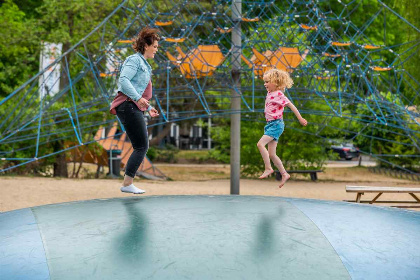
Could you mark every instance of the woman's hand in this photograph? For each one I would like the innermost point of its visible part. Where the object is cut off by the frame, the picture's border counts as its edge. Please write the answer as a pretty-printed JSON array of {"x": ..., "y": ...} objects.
[
  {"x": 153, "y": 112},
  {"x": 303, "y": 121},
  {"x": 143, "y": 103}
]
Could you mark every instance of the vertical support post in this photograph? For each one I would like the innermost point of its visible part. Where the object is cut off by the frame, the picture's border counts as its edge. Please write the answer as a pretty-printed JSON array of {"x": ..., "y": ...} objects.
[
  {"x": 209, "y": 134},
  {"x": 253, "y": 87},
  {"x": 111, "y": 172},
  {"x": 167, "y": 90},
  {"x": 235, "y": 117}
]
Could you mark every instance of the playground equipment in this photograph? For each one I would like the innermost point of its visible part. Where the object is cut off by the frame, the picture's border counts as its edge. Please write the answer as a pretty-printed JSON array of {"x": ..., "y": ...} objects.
[
  {"x": 199, "y": 62},
  {"x": 342, "y": 73},
  {"x": 117, "y": 141}
]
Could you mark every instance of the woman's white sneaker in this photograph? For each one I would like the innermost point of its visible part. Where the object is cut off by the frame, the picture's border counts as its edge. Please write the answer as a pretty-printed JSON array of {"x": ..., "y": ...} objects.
[{"x": 132, "y": 189}]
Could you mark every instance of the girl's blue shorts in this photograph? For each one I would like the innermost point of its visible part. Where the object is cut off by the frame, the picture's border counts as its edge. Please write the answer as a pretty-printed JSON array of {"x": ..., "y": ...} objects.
[{"x": 274, "y": 129}]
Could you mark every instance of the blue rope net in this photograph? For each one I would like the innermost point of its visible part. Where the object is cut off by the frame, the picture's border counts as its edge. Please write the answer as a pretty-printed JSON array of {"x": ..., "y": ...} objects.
[{"x": 350, "y": 78}]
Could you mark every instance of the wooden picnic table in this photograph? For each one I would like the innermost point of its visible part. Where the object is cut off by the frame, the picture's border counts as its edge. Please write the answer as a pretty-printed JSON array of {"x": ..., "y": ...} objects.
[{"x": 360, "y": 190}]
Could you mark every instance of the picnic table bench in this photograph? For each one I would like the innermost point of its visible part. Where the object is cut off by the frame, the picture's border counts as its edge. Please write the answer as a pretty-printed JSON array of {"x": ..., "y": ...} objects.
[
  {"x": 360, "y": 190},
  {"x": 313, "y": 174}
]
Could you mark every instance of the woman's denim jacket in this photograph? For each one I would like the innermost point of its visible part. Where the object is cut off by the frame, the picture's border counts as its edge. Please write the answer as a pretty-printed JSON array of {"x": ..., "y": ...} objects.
[{"x": 134, "y": 76}]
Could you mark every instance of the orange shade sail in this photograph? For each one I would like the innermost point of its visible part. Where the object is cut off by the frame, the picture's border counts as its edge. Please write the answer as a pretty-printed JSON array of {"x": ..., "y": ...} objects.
[
  {"x": 250, "y": 19},
  {"x": 371, "y": 47},
  {"x": 307, "y": 27},
  {"x": 198, "y": 62},
  {"x": 222, "y": 30},
  {"x": 377, "y": 68},
  {"x": 175, "y": 40},
  {"x": 161, "y": 23},
  {"x": 331, "y": 55},
  {"x": 339, "y": 44},
  {"x": 107, "y": 75},
  {"x": 284, "y": 58},
  {"x": 125, "y": 41}
]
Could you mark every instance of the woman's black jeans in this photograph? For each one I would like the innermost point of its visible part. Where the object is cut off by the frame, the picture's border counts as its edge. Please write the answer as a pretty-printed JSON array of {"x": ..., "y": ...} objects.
[{"x": 135, "y": 127}]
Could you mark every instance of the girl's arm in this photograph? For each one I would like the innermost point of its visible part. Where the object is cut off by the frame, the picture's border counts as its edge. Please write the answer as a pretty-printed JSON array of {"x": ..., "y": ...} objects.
[{"x": 297, "y": 114}]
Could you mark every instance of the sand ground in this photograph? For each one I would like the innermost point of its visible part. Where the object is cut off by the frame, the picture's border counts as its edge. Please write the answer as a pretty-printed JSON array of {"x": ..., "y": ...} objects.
[{"x": 21, "y": 192}]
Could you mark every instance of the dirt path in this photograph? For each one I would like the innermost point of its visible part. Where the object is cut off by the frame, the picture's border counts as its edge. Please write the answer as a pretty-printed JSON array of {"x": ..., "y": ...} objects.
[{"x": 22, "y": 192}]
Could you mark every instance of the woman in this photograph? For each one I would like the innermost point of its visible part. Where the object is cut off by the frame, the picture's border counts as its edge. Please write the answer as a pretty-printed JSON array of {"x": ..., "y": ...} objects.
[{"x": 134, "y": 93}]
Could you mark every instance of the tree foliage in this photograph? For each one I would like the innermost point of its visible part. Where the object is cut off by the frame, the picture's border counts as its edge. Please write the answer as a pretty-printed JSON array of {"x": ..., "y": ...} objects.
[{"x": 19, "y": 47}]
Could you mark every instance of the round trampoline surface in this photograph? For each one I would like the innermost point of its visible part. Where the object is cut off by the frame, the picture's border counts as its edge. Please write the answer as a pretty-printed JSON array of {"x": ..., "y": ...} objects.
[{"x": 209, "y": 237}]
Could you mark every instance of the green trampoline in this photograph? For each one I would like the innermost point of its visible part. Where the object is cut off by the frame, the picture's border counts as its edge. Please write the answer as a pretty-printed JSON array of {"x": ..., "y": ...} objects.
[{"x": 209, "y": 237}]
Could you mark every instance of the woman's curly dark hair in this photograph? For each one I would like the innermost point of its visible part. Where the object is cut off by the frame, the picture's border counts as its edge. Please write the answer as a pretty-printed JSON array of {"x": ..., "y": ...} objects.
[{"x": 146, "y": 36}]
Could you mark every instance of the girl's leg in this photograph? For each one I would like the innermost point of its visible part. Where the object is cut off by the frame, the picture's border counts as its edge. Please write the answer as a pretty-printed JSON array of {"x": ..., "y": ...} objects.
[
  {"x": 272, "y": 146},
  {"x": 264, "y": 153}
]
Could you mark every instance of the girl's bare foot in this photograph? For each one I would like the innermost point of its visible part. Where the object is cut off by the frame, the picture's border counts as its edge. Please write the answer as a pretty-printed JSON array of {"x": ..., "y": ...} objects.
[
  {"x": 284, "y": 178},
  {"x": 266, "y": 173}
]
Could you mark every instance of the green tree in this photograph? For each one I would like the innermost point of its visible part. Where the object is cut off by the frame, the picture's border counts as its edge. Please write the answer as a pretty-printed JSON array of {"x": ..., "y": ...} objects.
[
  {"x": 19, "y": 47},
  {"x": 68, "y": 22},
  {"x": 390, "y": 140}
]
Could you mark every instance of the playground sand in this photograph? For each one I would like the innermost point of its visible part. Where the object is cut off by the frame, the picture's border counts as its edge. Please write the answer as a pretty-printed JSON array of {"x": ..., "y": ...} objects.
[{"x": 21, "y": 192}]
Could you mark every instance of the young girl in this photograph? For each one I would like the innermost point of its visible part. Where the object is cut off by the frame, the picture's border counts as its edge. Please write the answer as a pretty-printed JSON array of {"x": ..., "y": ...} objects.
[{"x": 275, "y": 81}]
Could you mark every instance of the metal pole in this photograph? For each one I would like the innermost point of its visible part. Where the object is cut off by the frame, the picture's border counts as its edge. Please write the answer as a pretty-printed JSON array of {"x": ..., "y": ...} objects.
[
  {"x": 235, "y": 118},
  {"x": 110, "y": 162},
  {"x": 208, "y": 134}
]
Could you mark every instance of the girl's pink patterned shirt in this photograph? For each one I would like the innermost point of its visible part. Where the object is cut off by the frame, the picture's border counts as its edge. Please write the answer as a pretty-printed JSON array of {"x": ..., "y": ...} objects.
[{"x": 274, "y": 105}]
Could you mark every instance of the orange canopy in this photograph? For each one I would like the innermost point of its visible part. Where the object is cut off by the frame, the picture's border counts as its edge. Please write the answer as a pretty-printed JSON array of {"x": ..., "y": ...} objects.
[
  {"x": 331, "y": 55},
  {"x": 307, "y": 27},
  {"x": 125, "y": 41},
  {"x": 106, "y": 75},
  {"x": 250, "y": 19},
  {"x": 371, "y": 47},
  {"x": 223, "y": 30},
  {"x": 377, "y": 68},
  {"x": 198, "y": 62},
  {"x": 175, "y": 40},
  {"x": 284, "y": 58},
  {"x": 161, "y": 23},
  {"x": 339, "y": 44}
]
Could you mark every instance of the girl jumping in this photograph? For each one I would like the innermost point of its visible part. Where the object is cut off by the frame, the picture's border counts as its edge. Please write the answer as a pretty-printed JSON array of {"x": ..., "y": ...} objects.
[{"x": 275, "y": 81}]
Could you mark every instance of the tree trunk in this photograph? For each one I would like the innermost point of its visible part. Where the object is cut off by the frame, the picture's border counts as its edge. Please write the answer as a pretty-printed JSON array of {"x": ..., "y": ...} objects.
[
  {"x": 85, "y": 150},
  {"x": 73, "y": 173},
  {"x": 60, "y": 164},
  {"x": 98, "y": 170},
  {"x": 78, "y": 169}
]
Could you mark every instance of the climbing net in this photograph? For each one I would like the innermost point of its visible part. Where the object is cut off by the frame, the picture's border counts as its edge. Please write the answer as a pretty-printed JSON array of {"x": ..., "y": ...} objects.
[{"x": 350, "y": 74}]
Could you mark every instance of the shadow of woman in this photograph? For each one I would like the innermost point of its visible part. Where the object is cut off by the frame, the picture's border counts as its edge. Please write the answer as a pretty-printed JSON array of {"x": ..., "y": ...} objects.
[{"x": 131, "y": 246}]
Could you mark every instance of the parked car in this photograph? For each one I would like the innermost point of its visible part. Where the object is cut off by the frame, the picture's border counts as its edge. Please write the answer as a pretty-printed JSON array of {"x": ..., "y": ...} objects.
[{"x": 347, "y": 151}]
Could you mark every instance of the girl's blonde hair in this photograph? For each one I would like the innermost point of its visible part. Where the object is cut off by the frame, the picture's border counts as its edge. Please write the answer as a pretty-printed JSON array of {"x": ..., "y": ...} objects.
[{"x": 278, "y": 77}]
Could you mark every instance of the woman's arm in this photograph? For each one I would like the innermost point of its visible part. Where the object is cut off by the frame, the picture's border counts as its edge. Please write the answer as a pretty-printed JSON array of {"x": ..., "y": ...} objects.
[
  {"x": 153, "y": 112},
  {"x": 129, "y": 70},
  {"x": 297, "y": 114}
]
